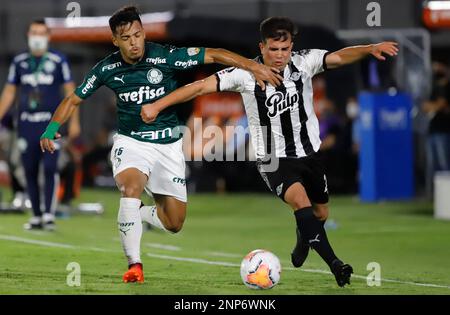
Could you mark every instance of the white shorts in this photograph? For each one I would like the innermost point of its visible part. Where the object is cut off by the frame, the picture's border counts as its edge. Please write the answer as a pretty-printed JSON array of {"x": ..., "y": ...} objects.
[{"x": 163, "y": 164}]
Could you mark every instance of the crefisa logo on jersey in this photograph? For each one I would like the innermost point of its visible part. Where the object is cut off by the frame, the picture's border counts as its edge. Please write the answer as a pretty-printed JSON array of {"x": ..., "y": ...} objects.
[
  {"x": 154, "y": 76},
  {"x": 89, "y": 84},
  {"x": 156, "y": 61},
  {"x": 144, "y": 93},
  {"x": 186, "y": 64}
]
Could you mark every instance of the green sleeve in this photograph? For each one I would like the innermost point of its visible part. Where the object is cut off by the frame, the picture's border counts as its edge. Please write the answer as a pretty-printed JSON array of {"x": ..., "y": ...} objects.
[
  {"x": 92, "y": 81},
  {"x": 185, "y": 57}
]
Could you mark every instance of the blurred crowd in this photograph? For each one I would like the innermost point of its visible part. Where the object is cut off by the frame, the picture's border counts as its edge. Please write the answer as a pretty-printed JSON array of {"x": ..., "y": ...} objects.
[{"x": 437, "y": 109}]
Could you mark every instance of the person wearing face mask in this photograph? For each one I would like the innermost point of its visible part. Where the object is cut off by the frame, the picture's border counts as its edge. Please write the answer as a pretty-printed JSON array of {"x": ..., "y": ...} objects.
[
  {"x": 350, "y": 145},
  {"x": 34, "y": 80}
]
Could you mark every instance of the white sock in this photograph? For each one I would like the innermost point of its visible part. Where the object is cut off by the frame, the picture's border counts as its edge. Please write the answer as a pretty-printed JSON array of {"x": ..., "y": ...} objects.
[
  {"x": 130, "y": 228},
  {"x": 149, "y": 214}
]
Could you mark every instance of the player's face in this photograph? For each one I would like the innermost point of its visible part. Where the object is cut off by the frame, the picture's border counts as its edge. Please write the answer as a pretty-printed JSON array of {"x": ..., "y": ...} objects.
[
  {"x": 130, "y": 39},
  {"x": 276, "y": 53}
]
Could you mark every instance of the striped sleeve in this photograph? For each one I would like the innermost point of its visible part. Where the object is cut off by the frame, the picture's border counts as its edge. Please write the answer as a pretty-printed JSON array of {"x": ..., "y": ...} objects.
[{"x": 231, "y": 79}]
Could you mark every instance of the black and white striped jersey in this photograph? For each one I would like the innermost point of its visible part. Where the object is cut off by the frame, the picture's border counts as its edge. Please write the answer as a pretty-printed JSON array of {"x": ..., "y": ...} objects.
[{"x": 282, "y": 121}]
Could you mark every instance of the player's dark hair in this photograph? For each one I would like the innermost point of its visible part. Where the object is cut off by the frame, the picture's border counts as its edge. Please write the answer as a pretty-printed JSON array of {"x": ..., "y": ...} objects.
[
  {"x": 277, "y": 28},
  {"x": 124, "y": 16}
]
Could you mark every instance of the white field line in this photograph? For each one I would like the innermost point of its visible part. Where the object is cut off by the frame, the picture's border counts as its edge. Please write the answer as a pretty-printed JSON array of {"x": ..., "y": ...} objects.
[
  {"x": 199, "y": 260},
  {"x": 34, "y": 242},
  {"x": 163, "y": 246},
  {"x": 51, "y": 244},
  {"x": 221, "y": 254},
  {"x": 227, "y": 264},
  {"x": 195, "y": 260}
]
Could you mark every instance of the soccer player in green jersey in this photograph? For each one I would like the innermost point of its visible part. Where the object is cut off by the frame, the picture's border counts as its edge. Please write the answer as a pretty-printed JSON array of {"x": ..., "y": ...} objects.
[{"x": 146, "y": 156}]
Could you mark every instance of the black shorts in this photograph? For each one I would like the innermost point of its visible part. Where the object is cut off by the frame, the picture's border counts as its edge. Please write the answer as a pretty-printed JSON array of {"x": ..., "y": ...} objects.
[{"x": 308, "y": 171}]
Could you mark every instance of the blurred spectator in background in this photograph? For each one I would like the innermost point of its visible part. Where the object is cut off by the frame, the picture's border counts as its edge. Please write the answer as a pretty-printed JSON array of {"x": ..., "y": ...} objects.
[
  {"x": 320, "y": 94},
  {"x": 95, "y": 160},
  {"x": 20, "y": 199},
  {"x": 351, "y": 134},
  {"x": 378, "y": 76},
  {"x": 69, "y": 166},
  {"x": 38, "y": 76},
  {"x": 330, "y": 125},
  {"x": 438, "y": 110},
  {"x": 339, "y": 133},
  {"x": 352, "y": 113}
]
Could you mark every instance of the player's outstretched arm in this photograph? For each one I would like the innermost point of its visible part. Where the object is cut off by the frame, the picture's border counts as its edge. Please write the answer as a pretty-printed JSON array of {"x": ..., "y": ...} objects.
[
  {"x": 261, "y": 72},
  {"x": 62, "y": 113},
  {"x": 352, "y": 54},
  {"x": 185, "y": 93}
]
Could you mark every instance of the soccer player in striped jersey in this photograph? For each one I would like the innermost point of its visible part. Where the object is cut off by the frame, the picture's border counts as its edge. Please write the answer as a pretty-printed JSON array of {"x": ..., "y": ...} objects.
[{"x": 285, "y": 129}]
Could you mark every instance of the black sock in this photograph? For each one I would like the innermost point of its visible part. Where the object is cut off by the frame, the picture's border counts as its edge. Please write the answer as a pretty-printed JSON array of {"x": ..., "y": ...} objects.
[
  {"x": 323, "y": 224},
  {"x": 312, "y": 230}
]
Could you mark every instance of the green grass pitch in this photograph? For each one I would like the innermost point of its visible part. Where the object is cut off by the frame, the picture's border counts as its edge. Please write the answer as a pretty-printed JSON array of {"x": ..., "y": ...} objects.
[{"x": 409, "y": 245}]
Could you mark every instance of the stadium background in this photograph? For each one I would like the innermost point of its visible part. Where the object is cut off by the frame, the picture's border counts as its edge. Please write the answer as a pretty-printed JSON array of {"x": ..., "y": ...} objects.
[
  {"x": 201, "y": 23},
  {"x": 326, "y": 24}
]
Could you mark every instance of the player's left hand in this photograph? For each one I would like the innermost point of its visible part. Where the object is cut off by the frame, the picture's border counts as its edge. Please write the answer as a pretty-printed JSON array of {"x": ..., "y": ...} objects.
[
  {"x": 149, "y": 113},
  {"x": 47, "y": 144},
  {"x": 264, "y": 73},
  {"x": 389, "y": 48}
]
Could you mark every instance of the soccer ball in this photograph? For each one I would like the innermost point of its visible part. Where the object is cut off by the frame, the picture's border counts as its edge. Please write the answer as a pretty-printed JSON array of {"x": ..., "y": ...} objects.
[{"x": 260, "y": 269}]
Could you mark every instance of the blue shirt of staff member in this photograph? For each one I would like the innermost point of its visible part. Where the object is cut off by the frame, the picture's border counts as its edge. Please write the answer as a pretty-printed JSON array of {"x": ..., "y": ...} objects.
[{"x": 38, "y": 79}]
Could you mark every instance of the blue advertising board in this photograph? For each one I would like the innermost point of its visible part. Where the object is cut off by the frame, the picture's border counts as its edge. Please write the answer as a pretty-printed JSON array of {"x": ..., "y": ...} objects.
[{"x": 386, "y": 152}]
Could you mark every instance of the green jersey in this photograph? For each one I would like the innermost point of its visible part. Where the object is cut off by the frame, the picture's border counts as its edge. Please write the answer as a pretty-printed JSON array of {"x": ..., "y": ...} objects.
[{"x": 142, "y": 83}]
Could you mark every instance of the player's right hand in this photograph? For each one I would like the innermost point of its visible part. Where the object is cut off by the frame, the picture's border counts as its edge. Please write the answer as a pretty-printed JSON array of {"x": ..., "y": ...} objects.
[
  {"x": 389, "y": 48},
  {"x": 48, "y": 144},
  {"x": 149, "y": 113}
]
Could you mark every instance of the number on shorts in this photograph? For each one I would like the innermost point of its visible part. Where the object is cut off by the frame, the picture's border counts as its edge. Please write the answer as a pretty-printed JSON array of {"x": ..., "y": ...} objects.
[{"x": 118, "y": 151}]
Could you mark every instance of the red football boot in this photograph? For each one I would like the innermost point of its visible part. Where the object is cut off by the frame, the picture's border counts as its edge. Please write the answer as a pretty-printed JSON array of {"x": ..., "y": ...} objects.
[{"x": 135, "y": 273}]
